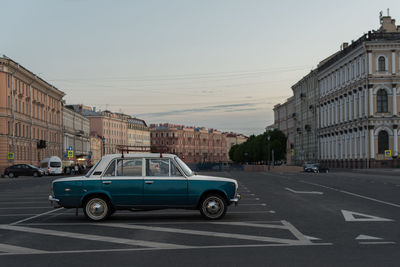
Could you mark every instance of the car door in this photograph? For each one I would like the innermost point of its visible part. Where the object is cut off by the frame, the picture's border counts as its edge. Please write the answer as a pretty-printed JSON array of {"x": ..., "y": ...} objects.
[
  {"x": 164, "y": 185},
  {"x": 123, "y": 180}
]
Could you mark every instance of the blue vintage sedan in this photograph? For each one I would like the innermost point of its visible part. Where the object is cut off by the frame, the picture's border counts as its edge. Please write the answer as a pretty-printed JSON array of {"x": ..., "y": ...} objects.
[{"x": 144, "y": 181}]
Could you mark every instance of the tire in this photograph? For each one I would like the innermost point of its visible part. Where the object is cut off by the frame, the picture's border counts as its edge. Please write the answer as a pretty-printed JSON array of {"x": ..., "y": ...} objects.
[
  {"x": 97, "y": 208},
  {"x": 35, "y": 174},
  {"x": 213, "y": 207},
  {"x": 327, "y": 171},
  {"x": 11, "y": 175}
]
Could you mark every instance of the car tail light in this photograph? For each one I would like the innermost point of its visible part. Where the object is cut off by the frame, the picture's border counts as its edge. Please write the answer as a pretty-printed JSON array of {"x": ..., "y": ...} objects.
[
  {"x": 48, "y": 169},
  {"x": 6, "y": 169}
]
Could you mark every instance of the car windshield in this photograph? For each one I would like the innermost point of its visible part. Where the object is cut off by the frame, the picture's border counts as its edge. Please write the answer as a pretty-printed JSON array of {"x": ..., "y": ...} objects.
[
  {"x": 92, "y": 169},
  {"x": 184, "y": 167},
  {"x": 55, "y": 164}
]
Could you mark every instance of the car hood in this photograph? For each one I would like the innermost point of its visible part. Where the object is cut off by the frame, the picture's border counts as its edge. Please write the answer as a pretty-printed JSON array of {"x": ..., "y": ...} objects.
[
  {"x": 66, "y": 179},
  {"x": 212, "y": 178}
]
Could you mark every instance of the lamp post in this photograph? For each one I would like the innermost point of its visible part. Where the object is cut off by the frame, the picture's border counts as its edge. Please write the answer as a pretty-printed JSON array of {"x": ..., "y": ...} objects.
[{"x": 268, "y": 144}]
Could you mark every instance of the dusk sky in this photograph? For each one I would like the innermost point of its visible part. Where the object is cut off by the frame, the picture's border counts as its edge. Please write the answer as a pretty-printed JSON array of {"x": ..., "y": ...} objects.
[{"x": 217, "y": 64}]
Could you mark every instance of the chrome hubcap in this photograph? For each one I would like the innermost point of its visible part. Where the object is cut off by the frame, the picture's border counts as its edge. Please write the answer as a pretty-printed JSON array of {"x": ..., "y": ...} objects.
[
  {"x": 213, "y": 207},
  {"x": 96, "y": 208}
]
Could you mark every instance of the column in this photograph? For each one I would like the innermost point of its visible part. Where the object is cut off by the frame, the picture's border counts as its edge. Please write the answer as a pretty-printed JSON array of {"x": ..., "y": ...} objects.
[
  {"x": 341, "y": 147},
  {"x": 328, "y": 143},
  {"x": 345, "y": 146},
  {"x": 360, "y": 104},
  {"x": 366, "y": 143},
  {"x": 365, "y": 102},
  {"x": 395, "y": 139},
  {"x": 329, "y": 113},
  {"x": 336, "y": 147},
  {"x": 350, "y": 108},
  {"x": 355, "y": 95},
  {"x": 360, "y": 144},
  {"x": 341, "y": 110},
  {"x": 336, "y": 111},
  {"x": 393, "y": 62},
  {"x": 394, "y": 102},
  {"x": 371, "y": 143},
  {"x": 345, "y": 108},
  {"x": 371, "y": 106},
  {"x": 355, "y": 140},
  {"x": 369, "y": 62},
  {"x": 350, "y": 146}
]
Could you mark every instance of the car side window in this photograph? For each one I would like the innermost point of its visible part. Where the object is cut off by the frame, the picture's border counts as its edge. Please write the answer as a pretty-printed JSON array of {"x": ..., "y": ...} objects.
[
  {"x": 111, "y": 170},
  {"x": 158, "y": 167},
  {"x": 174, "y": 170},
  {"x": 129, "y": 167}
]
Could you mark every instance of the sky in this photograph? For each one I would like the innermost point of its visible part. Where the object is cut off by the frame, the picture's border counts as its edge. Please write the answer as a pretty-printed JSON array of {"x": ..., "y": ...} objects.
[{"x": 219, "y": 64}]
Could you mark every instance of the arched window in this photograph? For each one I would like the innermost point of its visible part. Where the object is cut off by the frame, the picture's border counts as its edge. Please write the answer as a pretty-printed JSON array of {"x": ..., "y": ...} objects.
[
  {"x": 382, "y": 101},
  {"x": 381, "y": 63},
  {"x": 383, "y": 142}
]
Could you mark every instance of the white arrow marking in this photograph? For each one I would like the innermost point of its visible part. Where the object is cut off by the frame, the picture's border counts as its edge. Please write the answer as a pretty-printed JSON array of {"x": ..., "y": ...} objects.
[
  {"x": 349, "y": 217},
  {"x": 367, "y": 237},
  {"x": 304, "y": 192},
  {"x": 312, "y": 238}
]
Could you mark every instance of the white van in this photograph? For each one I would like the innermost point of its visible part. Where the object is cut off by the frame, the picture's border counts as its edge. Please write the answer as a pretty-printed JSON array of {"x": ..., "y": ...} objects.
[{"x": 51, "y": 165}]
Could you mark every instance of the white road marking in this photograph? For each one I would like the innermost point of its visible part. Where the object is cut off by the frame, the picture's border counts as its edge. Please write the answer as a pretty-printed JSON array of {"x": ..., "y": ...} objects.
[
  {"x": 16, "y": 214},
  {"x": 33, "y": 217},
  {"x": 109, "y": 239},
  {"x": 304, "y": 192},
  {"x": 208, "y": 233},
  {"x": 24, "y": 208},
  {"x": 23, "y": 202},
  {"x": 377, "y": 243},
  {"x": 18, "y": 250},
  {"x": 252, "y": 204},
  {"x": 353, "y": 194},
  {"x": 312, "y": 238},
  {"x": 349, "y": 217},
  {"x": 367, "y": 237}
]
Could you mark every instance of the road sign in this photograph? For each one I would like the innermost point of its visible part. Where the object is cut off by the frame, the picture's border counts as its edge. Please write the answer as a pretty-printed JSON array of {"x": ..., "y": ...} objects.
[
  {"x": 292, "y": 152},
  {"x": 70, "y": 154},
  {"x": 388, "y": 153},
  {"x": 70, "y": 148},
  {"x": 10, "y": 155}
]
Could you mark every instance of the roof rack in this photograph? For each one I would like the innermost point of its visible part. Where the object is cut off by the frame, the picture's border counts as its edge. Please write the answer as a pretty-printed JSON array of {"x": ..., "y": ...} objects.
[{"x": 126, "y": 149}]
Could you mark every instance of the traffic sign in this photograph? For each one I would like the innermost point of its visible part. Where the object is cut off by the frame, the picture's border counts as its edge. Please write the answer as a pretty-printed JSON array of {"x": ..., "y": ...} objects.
[
  {"x": 388, "y": 153},
  {"x": 70, "y": 148},
  {"x": 70, "y": 154},
  {"x": 10, "y": 155}
]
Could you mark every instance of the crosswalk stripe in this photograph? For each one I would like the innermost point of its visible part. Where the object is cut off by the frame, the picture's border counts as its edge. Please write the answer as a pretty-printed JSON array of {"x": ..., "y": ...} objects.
[
  {"x": 92, "y": 237},
  {"x": 20, "y": 250}
]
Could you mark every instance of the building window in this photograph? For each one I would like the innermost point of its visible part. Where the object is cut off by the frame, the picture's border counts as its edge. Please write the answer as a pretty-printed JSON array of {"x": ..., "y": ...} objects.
[
  {"x": 382, "y": 101},
  {"x": 381, "y": 63},
  {"x": 383, "y": 142}
]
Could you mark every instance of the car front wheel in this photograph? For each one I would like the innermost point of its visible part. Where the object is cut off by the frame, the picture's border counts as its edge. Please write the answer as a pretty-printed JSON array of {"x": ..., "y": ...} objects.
[
  {"x": 97, "y": 209},
  {"x": 213, "y": 207},
  {"x": 35, "y": 174},
  {"x": 11, "y": 175}
]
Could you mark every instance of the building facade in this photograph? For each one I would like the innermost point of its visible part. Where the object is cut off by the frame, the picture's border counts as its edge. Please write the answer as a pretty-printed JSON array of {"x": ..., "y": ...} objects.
[
  {"x": 138, "y": 134},
  {"x": 233, "y": 139},
  {"x": 76, "y": 134},
  {"x": 193, "y": 145},
  {"x": 30, "y": 116},
  {"x": 358, "y": 104},
  {"x": 96, "y": 148},
  {"x": 306, "y": 96},
  {"x": 284, "y": 120}
]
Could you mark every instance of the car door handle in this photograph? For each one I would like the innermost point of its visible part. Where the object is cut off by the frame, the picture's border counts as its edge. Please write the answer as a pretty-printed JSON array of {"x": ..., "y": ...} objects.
[
  {"x": 149, "y": 182},
  {"x": 107, "y": 182}
]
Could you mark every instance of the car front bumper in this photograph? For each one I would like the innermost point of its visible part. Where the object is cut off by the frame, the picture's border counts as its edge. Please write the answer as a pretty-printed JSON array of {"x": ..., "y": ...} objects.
[
  {"x": 54, "y": 202},
  {"x": 236, "y": 199}
]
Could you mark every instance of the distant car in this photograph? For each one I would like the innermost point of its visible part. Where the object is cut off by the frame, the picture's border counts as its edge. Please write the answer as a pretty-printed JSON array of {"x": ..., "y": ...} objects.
[
  {"x": 315, "y": 167},
  {"x": 144, "y": 181},
  {"x": 23, "y": 170}
]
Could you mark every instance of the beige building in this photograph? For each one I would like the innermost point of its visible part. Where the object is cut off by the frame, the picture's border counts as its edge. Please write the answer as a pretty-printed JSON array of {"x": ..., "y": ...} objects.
[
  {"x": 358, "y": 111},
  {"x": 96, "y": 148},
  {"x": 306, "y": 96},
  {"x": 233, "y": 139},
  {"x": 76, "y": 132},
  {"x": 30, "y": 116},
  {"x": 284, "y": 120},
  {"x": 138, "y": 134}
]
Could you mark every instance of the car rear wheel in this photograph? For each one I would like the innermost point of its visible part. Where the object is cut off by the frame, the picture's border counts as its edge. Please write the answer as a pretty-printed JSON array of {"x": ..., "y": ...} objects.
[
  {"x": 11, "y": 175},
  {"x": 35, "y": 174},
  {"x": 97, "y": 209},
  {"x": 213, "y": 207}
]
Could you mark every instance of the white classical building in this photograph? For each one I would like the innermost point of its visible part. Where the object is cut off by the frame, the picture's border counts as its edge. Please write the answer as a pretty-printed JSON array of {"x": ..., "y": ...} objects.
[{"x": 358, "y": 114}]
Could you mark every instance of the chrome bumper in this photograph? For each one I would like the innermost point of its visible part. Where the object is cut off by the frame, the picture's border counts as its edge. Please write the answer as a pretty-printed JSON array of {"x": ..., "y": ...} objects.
[
  {"x": 236, "y": 199},
  {"x": 54, "y": 202}
]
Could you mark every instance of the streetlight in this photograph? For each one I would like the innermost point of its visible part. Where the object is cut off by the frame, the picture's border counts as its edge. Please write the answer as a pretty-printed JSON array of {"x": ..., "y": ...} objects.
[{"x": 268, "y": 143}]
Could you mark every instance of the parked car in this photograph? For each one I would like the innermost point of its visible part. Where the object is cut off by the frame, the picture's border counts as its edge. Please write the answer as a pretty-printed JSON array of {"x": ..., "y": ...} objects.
[
  {"x": 315, "y": 167},
  {"x": 144, "y": 181},
  {"x": 23, "y": 170},
  {"x": 52, "y": 165}
]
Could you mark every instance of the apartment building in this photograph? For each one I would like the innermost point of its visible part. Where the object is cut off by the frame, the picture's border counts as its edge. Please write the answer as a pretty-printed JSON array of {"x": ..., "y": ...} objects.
[
  {"x": 233, "y": 139},
  {"x": 138, "y": 134},
  {"x": 31, "y": 116}
]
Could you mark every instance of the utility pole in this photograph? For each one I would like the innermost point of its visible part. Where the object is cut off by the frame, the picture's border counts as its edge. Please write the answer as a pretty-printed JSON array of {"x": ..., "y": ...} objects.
[{"x": 268, "y": 144}]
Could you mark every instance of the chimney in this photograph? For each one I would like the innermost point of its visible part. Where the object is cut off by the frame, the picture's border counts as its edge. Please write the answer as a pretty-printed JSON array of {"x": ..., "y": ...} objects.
[{"x": 344, "y": 46}]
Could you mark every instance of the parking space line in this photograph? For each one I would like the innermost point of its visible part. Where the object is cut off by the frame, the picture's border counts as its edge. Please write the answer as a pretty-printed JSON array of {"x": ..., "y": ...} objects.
[
  {"x": 252, "y": 224},
  {"x": 108, "y": 239},
  {"x": 354, "y": 194},
  {"x": 12, "y": 208},
  {"x": 376, "y": 243},
  {"x": 18, "y": 250},
  {"x": 209, "y": 233},
  {"x": 33, "y": 217}
]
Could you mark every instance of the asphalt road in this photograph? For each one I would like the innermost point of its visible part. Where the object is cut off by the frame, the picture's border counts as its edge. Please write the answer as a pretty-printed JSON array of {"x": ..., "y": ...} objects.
[{"x": 295, "y": 219}]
